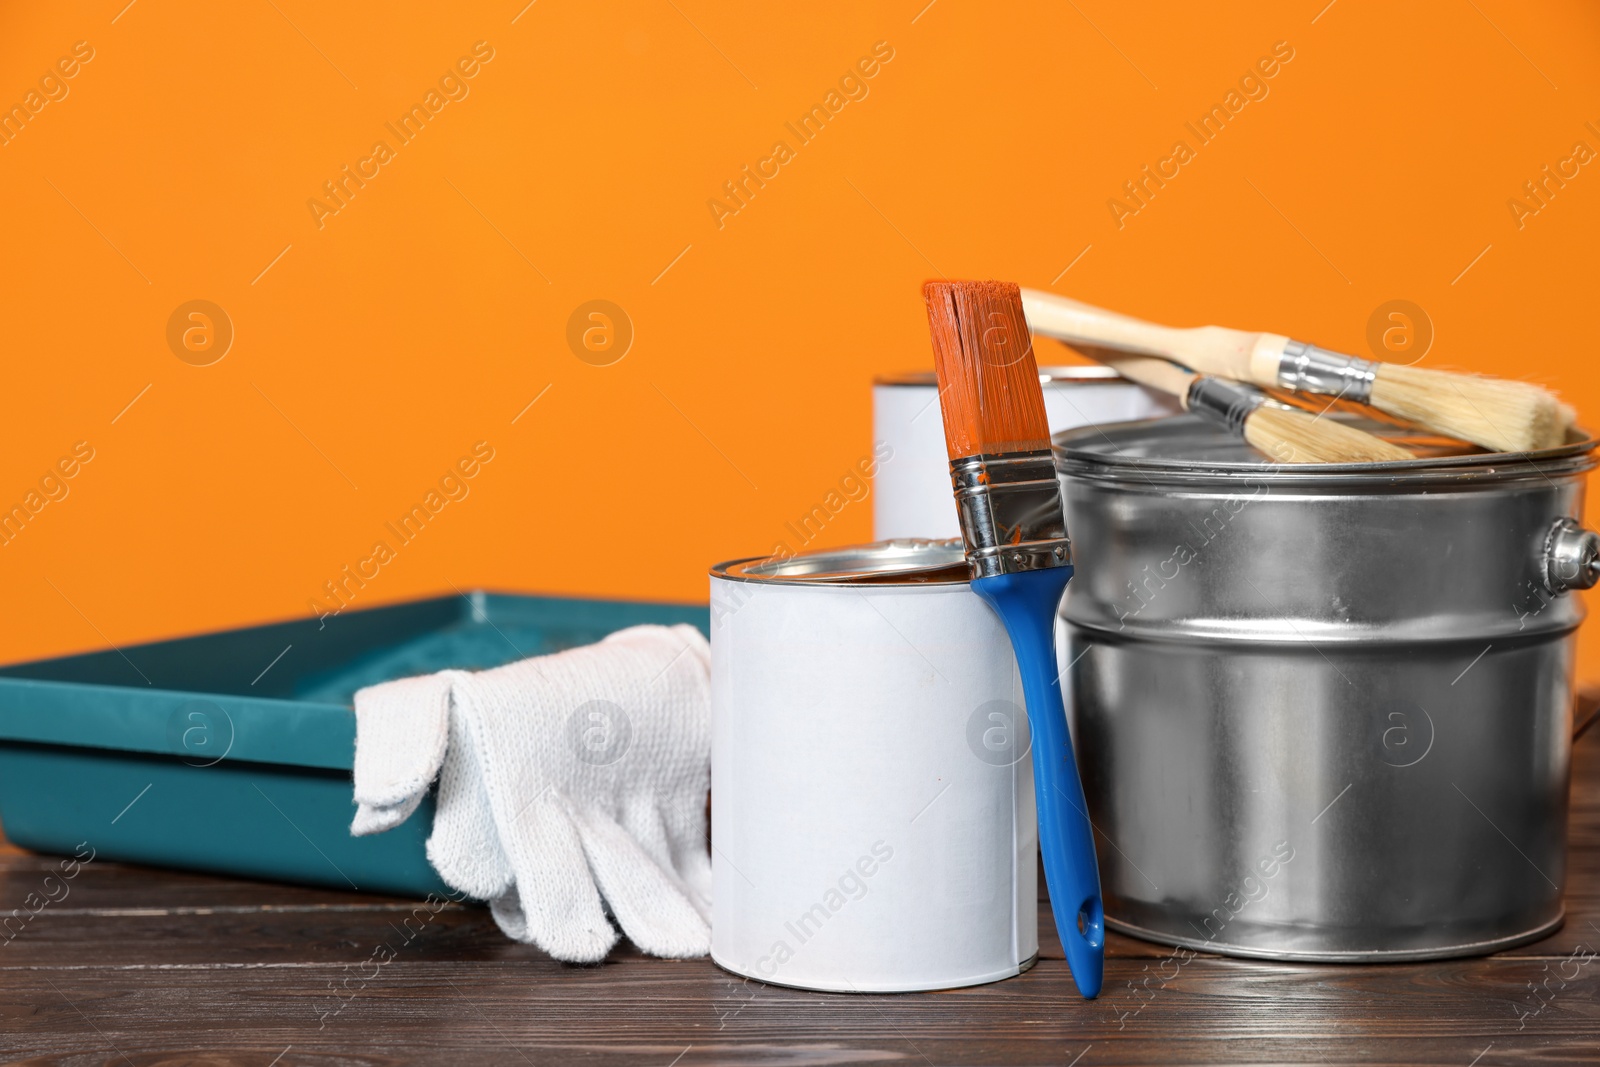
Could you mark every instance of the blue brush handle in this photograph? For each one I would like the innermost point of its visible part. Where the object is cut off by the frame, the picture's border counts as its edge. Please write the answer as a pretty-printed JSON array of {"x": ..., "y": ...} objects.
[{"x": 1026, "y": 602}]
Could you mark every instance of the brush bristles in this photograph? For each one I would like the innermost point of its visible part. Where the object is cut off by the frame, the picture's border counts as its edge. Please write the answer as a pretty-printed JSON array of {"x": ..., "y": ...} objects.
[
  {"x": 1500, "y": 415},
  {"x": 988, "y": 380},
  {"x": 1290, "y": 436}
]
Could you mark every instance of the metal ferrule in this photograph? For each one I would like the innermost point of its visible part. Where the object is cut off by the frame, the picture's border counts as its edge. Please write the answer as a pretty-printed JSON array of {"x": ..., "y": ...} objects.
[
  {"x": 1011, "y": 514},
  {"x": 1309, "y": 369},
  {"x": 1223, "y": 402}
]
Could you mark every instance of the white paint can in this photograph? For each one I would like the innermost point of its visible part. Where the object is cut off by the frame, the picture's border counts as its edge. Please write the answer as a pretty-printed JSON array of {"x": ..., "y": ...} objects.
[
  {"x": 911, "y": 489},
  {"x": 872, "y": 811}
]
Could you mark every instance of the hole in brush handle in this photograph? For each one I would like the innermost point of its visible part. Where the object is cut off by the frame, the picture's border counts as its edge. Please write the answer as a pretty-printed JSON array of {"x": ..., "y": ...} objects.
[{"x": 1092, "y": 922}]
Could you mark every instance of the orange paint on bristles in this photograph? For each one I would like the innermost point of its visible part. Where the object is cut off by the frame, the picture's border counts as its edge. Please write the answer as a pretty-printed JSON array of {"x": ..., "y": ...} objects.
[{"x": 989, "y": 387}]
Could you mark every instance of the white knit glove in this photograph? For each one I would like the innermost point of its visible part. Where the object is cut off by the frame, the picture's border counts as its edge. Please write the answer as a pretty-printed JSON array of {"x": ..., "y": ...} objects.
[{"x": 566, "y": 779}]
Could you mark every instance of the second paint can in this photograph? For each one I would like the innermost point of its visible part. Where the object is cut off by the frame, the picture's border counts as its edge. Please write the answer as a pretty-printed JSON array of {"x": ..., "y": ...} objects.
[{"x": 911, "y": 489}]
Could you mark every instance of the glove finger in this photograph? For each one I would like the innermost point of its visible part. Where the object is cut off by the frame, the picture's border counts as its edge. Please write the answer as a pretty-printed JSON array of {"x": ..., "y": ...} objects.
[
  {"x": 694, "y": 868},
  {"x": 671, "y": 836},
  {"x": 376, "y": 818},
  {"x": 650, "y": 903},
  {"x": 555, "y": 891},
  {"x": 507, "y": 911},
  {"x": 401, "y": 729},
  {"x": 465, "y": 845},
  {"x": 641, "y": 820}
]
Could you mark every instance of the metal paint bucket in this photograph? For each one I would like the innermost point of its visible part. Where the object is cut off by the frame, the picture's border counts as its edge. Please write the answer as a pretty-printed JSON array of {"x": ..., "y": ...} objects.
[
  {"x": 1324, "y": 713},
  {"x": 872, "y": 813},
  {"x": 911, "y": 489}
]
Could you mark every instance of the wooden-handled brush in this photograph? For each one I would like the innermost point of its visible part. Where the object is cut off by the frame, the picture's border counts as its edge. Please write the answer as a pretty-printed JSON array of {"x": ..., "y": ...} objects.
[
  {"x": 1015, "y": 533},
  {"x": 1502, "y": 415},
  {"x": 1288, "y": 435}
]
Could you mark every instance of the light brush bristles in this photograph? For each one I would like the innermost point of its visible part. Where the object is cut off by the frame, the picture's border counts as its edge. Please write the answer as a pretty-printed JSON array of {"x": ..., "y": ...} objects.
[
  {"x": 988, "y": 380},
  {"x": 1506, "y": 416},
  {"x": 1290, "y": 436}
]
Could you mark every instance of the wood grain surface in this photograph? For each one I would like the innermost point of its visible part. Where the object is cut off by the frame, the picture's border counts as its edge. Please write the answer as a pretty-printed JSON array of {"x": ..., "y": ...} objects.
[{"x": 140, "y": 967}]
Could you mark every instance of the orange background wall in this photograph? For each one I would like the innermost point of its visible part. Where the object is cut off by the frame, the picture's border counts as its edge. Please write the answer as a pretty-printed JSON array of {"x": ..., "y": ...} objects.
[{"x": 373, "y": 350}]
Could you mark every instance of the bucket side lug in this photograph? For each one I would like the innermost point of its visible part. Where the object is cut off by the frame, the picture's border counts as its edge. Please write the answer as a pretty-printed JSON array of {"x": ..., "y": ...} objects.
[{"x": 1571, "y": 556}]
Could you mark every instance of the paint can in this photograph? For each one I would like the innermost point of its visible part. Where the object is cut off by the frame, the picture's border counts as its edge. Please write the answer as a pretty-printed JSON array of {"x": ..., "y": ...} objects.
[
  {"x": 872, "y": 811},
  {"x": 911, "y": 489}
]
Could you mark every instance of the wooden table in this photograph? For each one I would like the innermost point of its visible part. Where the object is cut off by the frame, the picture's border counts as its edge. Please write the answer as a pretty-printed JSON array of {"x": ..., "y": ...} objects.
[{"x": 137, "y": 966}]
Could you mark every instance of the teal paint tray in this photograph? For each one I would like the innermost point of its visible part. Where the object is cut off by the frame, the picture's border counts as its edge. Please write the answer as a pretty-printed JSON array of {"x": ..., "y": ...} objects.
[{"x": 231, "y": 752}]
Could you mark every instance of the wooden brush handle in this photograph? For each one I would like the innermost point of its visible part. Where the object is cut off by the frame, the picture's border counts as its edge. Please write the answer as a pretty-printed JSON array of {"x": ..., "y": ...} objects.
[
  {"x": 1152, "y": 371},
  {"x": 1236, "y": 354}
]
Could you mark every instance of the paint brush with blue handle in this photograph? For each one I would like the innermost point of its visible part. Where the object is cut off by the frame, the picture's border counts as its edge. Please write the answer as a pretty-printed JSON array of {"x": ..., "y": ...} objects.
[{"x": 1015, "y": 534}]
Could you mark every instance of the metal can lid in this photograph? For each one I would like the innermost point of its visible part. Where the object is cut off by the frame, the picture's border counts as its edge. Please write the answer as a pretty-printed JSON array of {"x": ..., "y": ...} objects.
[
  {"x": 905, "y": 561},
  {"x": 1189, "y": 449},
  {"x": 1091, "y": 374}
]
